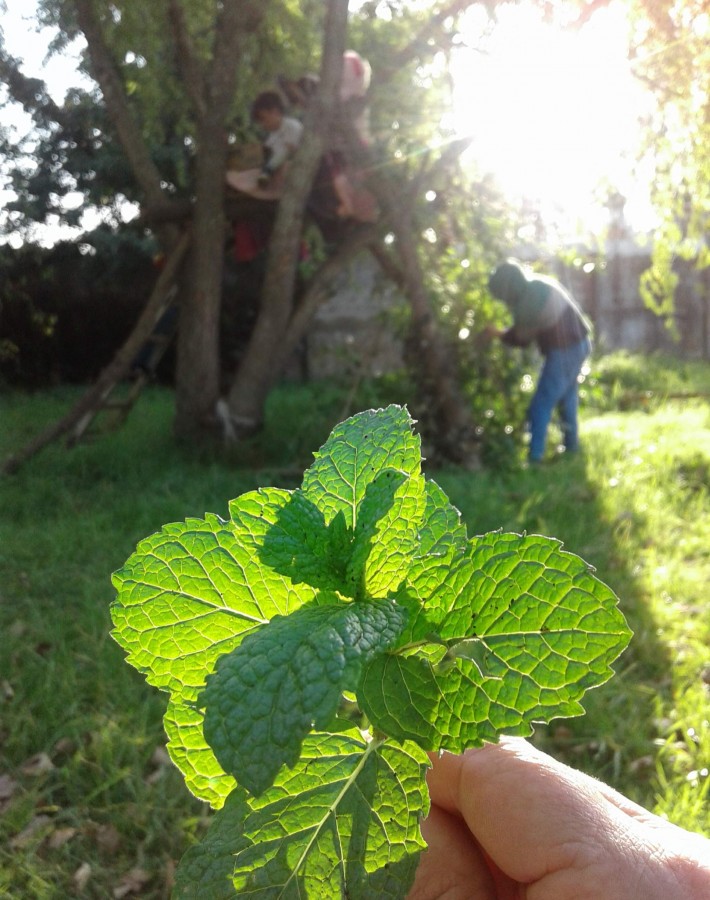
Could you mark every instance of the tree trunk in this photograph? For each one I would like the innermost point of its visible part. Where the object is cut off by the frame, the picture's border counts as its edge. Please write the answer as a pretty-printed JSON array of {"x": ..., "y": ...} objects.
[
  {"x": 259, "y": 368},
  {"x": 198, "y": 365},
  {"x": 127, "y": 128},
  {"x": 451, "y": 426},
  {"x": 264, "y": 358},
  {"x": 317, "y": 292}
]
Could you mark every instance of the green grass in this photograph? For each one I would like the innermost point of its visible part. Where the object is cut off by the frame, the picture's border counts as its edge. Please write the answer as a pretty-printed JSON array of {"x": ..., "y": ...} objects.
[{"x": 81, "y": 732}]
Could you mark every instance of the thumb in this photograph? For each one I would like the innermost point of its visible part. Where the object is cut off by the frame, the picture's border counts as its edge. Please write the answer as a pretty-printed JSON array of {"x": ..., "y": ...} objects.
[{"x": 531, "y": 814}]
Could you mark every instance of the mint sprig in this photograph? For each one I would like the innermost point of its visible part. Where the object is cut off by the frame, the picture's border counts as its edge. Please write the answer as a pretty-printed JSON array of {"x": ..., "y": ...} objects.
[
  {"x": 284, "y": 680},
  {"x": 343, "y": 822},
  {"x": 319, "y": 641}
]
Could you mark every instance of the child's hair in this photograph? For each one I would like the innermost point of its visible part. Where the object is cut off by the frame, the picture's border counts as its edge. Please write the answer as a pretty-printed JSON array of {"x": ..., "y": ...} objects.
[{"x": 267, "y": 100}]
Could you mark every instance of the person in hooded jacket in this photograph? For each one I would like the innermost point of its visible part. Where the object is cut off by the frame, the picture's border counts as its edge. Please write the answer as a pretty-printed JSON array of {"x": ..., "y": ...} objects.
[{"x": 544, "y": 312}]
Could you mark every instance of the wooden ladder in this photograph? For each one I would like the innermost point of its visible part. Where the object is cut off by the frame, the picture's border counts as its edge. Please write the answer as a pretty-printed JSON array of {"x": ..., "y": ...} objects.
[
  {"x": 75, "y": 423},
  {"x": 140, "y": 374}
]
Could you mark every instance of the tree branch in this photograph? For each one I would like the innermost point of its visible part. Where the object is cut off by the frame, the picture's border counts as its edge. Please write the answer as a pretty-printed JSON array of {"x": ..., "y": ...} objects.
[
  {"x": 198, "y": 337},
  {"x": 91, "y": 401},
  {"x": 30, "y": 93},
  {"x": 420, "y": 40},
  {"x": 193, "y": 75},
  {"x": 237, "y": 21},
  {"x": 129, "y": 133},
  {"x": 588, "y": 10},
  {"x": 276, "y": 304}
]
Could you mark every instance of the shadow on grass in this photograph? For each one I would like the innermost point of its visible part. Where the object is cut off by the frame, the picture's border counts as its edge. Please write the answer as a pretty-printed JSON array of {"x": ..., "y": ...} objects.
[{"x": 70, "y": 518}]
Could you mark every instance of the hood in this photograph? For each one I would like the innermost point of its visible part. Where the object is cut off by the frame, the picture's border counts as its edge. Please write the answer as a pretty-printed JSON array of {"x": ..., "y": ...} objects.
[{"x": 508, "y": 283}]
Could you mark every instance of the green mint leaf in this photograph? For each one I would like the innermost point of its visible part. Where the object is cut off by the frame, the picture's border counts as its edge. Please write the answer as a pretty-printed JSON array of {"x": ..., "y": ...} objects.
[
  {"x": 439, "y": 567},
  {"x": 343, "y": 823},
  {"x": 442, "y": 533},
  {"x": 530, "y": 630},
  {"x": 386, "y": 684},
  {"x": 443, "y": 644},
  {"x": 355, "y": 454},
  {"x": 386, "y": 536},
  {"x": 301, "y": 546},
  {"x": 283, "y": 680},
  {"x": 191, "y": 753},
  {"x": 527, "y": 584},
  {"x": 206, "y": 869},
  {"x": 191, "y": 592}
]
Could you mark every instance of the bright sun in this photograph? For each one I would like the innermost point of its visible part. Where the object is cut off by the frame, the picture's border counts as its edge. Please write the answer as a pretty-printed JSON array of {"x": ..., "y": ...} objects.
[{"x": 552, "y": 112}]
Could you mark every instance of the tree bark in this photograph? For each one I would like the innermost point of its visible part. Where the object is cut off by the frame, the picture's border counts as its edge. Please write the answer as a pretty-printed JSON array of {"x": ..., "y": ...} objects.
[
  {"x": 263, "y": 361},
  {"x": 198, "y": 365},
  {"x": 432, "y": 362},
  {"x": 109, "y": 80},
  {"x": 193, "y": 76}
]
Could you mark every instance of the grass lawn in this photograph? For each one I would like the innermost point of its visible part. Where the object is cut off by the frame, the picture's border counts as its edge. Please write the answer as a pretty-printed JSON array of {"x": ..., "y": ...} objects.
[{"x": 89, "y": 805}]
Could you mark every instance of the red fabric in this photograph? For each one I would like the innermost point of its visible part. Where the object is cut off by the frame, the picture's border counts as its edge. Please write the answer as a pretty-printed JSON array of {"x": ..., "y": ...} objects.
[{"x": 247, "y": 244}]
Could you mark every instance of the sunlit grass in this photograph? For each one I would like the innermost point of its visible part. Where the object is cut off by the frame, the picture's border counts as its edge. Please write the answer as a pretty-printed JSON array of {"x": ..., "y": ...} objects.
[
  {"x": 652, "y": 471},
  {"x": 635, "y": 504}
]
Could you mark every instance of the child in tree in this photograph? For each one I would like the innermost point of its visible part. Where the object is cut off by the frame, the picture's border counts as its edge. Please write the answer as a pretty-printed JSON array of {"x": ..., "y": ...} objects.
[
  {"x": 339, "y": 191},
  {"x": 283, "y": 135},
  {"x": 354, "y": 200}
]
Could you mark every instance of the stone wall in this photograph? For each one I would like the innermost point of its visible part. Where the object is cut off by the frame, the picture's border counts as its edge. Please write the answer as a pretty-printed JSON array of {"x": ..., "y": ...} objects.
[{"x": 353, "y": 333}]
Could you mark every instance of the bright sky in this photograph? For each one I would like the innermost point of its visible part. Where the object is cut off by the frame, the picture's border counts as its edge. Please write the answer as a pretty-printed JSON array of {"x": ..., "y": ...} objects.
[
  {"x": 59, "y": 73},
  {"x": 553, "y": 112},
  {"x": 22, "y": 40}
]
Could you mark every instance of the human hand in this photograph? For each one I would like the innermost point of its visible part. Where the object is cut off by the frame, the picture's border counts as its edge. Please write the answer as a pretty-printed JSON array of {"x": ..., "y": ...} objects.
[{"x": 509, "y": 822}]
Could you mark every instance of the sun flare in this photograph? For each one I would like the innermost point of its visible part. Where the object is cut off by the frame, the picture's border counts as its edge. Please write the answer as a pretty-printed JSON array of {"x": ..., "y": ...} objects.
[{"x": 552, "y": 112}]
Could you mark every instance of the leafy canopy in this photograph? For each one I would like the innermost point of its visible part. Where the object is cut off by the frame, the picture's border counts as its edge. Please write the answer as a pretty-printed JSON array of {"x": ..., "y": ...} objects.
[
  {"x": 317, "y": 643},
  {"x": 671, "y": 56}
]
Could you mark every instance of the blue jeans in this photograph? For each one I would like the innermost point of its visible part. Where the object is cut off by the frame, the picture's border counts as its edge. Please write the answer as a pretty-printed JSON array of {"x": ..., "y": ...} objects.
[{"x": 557, "y": 387}]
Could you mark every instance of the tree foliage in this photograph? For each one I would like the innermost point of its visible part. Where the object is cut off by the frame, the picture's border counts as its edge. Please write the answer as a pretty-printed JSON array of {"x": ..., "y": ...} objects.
[
  {"x": 671, "y": 53},
  {"x": 169, "y": 97},
  {"x": 174, "y": 82}
]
